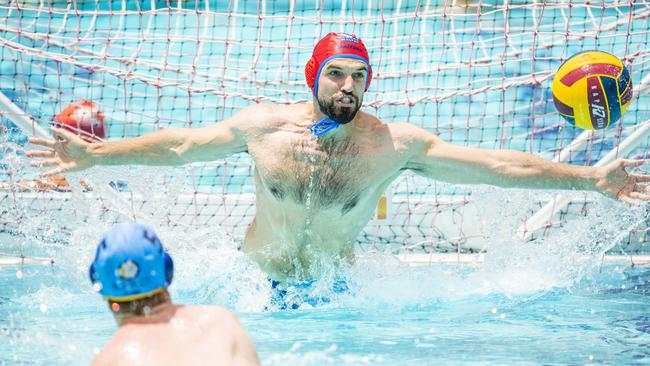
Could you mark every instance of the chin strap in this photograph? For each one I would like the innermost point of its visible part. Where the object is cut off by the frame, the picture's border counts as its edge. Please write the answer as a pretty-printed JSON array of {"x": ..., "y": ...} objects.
[{"x": 323, "y": 126}]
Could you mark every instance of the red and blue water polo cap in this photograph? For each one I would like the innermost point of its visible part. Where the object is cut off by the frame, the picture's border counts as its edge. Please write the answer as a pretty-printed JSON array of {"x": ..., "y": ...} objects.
[{"x": 335, "y": 45}]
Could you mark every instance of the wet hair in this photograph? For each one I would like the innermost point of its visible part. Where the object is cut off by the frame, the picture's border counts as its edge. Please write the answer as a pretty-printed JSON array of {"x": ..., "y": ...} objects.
[{"x": 139, "y": 307}]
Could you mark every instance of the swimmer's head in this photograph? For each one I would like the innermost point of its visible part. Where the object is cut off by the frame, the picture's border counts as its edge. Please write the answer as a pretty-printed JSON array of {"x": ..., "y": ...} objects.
[
  {"x": 338, "y": 73},
  {"x": 131, "y": 263}
]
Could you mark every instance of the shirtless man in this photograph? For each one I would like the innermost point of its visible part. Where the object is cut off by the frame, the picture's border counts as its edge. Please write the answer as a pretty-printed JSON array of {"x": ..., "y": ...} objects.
[
  {"x": 320, "y": 167},
  {"x": 132, "y": 271}
]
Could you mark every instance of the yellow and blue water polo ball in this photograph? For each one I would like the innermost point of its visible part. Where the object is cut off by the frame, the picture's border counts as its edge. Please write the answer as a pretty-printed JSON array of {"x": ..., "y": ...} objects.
[{"x": 592, "y": 90}]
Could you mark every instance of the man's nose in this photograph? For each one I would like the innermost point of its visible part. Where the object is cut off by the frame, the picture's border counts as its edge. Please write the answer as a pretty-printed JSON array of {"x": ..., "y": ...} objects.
[{"x": 348, "y": 84}]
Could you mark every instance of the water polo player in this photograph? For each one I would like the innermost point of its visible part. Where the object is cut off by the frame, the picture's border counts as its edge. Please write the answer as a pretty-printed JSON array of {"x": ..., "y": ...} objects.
[{"x": 132, "y": 271}]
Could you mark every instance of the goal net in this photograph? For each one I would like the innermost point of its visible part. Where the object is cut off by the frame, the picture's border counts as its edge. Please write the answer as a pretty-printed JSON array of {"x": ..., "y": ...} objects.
[{"x": 475, "y": 73}]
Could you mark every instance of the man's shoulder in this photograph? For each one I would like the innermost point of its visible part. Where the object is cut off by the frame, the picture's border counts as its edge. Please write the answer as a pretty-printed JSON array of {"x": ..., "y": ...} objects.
[
  {"x": 210, "y": 313},
  {"x": 397, "y": 131},
  {"x": 255, "y": 112},
  {"x": 103, "y": 358},
  {"x": 372, "y": 121},
  {"x": 411, "y": 136},
  {"x": 268, "y": 115},
  {"x": 405, "y": 128},
  {"x": 113, "y": 353},
  {"x": 262, "y": 109},
  {"x": 409, "y": 131},
  {"x": 259, "y": 108}
]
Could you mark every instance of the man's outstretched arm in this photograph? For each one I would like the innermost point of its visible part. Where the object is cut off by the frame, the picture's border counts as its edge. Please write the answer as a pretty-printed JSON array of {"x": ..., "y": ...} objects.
[
  {"x": 170, "y": 146},
  {"x": 437, "y": 159}
]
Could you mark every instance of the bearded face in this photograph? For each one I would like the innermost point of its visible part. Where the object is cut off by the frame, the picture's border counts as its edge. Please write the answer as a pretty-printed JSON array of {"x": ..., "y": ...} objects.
[
  {"x": 340, "y": 108},
  {"x": 340, "y": 89}
]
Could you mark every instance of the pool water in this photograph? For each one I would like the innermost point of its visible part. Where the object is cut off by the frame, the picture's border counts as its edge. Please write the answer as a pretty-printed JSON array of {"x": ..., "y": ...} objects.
[
  {"x": 393, "y": 315},
  {"x": 599, "y": 324}
]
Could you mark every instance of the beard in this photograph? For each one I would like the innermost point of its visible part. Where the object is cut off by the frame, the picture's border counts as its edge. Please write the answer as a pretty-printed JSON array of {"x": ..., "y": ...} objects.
[{"x": 340, "y": 115}]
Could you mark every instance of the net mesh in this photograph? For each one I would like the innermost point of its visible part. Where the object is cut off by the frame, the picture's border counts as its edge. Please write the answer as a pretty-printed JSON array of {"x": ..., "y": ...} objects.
[{"x": 475, "y": 73}]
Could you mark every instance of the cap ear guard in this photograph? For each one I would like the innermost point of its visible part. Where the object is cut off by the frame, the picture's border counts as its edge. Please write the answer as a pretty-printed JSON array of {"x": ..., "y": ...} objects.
[
  {"x": 91, "y": 271},
  {"x": 169, "y": 269},
  {"x": 310, "y": 72},
  {"x": 92, "y": 274}
]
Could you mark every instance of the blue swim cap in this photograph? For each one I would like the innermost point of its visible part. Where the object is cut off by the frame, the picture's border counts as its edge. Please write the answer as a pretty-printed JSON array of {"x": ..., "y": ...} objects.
[{"x": 131, "y": 263}]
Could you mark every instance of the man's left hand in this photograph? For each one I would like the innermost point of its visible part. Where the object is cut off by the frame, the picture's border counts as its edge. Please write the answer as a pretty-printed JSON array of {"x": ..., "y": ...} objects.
[{"x": 616, "y": 182}]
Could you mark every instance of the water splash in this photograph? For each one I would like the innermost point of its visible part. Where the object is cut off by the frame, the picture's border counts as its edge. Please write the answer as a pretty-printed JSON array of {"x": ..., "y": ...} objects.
[{"x": 211, "y": 270}]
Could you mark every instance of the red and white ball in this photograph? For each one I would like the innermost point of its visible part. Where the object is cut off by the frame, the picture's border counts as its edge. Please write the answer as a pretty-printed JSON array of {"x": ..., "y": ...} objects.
[{"x": 84, "y": 119}]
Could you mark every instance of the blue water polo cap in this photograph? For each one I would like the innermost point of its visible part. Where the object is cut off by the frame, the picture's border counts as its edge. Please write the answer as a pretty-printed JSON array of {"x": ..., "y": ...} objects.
[{"x": 131, "y": 263}]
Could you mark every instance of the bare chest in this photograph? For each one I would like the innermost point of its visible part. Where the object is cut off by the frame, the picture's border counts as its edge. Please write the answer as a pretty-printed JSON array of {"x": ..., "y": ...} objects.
[{"x": 318, "y": 173}]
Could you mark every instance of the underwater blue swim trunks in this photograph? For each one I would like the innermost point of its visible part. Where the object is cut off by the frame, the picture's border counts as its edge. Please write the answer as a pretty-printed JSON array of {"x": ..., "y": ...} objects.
[{"x": 293, "y": 295}]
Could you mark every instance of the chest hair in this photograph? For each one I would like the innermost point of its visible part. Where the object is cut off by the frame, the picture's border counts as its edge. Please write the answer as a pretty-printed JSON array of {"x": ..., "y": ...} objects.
[{"x": 322, "y": 174}]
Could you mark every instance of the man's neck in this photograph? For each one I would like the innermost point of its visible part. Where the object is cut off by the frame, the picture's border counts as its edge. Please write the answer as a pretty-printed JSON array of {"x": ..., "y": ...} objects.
[
  {"x": 159, "y": 313},
  {"x": 342, "y": 132}
]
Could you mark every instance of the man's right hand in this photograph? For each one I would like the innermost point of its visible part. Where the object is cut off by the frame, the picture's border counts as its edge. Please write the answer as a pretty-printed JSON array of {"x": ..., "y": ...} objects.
[{"x": 67, "y": 152}]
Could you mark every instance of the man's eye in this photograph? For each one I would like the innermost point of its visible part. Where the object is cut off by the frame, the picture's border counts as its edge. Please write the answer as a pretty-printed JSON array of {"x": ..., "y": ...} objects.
[
  {"x": 335, "y": 73},
  {"x": 358, "y": 75}
]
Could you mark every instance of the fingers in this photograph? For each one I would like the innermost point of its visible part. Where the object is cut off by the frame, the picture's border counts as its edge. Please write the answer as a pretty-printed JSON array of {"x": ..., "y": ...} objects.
[
  {"x": 42, "y": 142},
  {"x": 52, "y": 172},
  {"x": 640, "y": 178},
  {"x": 61, "y": 134},
  {"x": 641, "y": 196},
  {"x": 40, "y": 154},
  {"x": 629, "y": 200},
  {"x": 633, "y": 162},
  {"x": 42, "y": 163}
]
